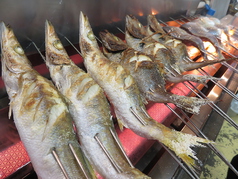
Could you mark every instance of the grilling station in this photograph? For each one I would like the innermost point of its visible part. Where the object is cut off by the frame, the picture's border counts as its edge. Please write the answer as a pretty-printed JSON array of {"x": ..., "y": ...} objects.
[{"x": 27, "y": 20}]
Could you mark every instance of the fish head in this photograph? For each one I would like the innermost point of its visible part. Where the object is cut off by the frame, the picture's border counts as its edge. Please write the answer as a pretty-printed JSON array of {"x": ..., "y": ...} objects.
[
  {"x": 13, "y": 55},
  {"x": 154, "y": 25},
  {"x": 135, "y": 28},
  {"x": 55, "y": 51},
  {"x": 87, "y": 40},
  {"x": 112, "y": 42}
]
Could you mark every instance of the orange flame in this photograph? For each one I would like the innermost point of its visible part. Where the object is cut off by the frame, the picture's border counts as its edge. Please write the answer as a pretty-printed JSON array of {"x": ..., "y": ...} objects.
[
  {"x": 223, "y": 37},
  {"x": 140, "y": 13},
  {"x": 154, "y": 11},
  {"x": 231, "y": 32}
]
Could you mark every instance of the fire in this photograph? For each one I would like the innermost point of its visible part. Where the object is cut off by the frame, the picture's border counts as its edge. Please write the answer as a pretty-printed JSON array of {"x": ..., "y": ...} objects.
[
  {"x": 224, "y": 37},
  {"x": 210, "y": 48},
  {"x": 140, "y": 13},
  {"x": 154, "y": 11},
  {"x": 115, "y": 19},
  {"x": 231, "y": 32}
]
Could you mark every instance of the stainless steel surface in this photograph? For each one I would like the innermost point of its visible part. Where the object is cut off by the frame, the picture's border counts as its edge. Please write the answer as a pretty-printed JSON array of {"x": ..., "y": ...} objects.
[{"x": 27, "y": 17}]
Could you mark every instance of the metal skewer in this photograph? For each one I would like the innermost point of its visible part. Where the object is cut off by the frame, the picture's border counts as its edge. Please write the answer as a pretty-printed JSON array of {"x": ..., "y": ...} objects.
[
  {"x": 59, "y": 163},
  {"x": 78, "y": 161},
  {"x": 203, "y": 72},
  {"x": 120, "y": 146},
  {"x": 211, "y": 104},
  {"x": 114, "y": 163},
  {"x": 142, "y": 121},
  {"x": 190, "y": 172},
  {"x": 71, "y": 44}
]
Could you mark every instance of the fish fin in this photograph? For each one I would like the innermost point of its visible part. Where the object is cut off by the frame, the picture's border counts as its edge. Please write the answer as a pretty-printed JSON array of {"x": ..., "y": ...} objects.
[
  {"x": 120, "y": 124},
  {"x": 10, "y": 111},
  {"x": 181, "y": 144}
]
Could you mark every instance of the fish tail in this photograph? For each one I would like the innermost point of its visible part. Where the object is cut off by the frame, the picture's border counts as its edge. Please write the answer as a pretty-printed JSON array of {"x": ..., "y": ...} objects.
[
  {"x": 189, "y": 104},
  {"x": 196, "y": 65},
  {"x": 181, "y": 144}
]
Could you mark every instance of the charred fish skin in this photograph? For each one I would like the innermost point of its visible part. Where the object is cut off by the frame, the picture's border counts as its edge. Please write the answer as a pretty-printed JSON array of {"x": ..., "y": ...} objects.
[
  {"x": 40, "y": 113},
  {"x": 90, "y": 111},
  {"x": 123, "y": 93}
]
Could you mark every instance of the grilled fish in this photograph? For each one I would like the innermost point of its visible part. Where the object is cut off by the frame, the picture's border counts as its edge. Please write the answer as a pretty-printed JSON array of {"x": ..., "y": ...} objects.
[
  {"x": 213, "y": 25},
  {"x": 181, "y": 34},
  {"x": 149, "y": 80},
  {"x": 172, "y": 68},
  {"x": 178, "y": 49},
  {"x": 122, "y": 91},
  {"x": 90, "y": 111},
  {"x": 40, "y": 114}
]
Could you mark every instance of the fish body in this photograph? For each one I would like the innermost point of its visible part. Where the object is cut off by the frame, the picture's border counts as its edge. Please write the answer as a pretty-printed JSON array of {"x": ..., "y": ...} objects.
[
  {"x": 149, "y": 80},
  {"x": 123, "y": 93},
  {"x": 181, "y": 34},
  {"x": 214, "y": 25},
  {"x": 178, "y": 49},
  {"x": 90, "y": 111},
  {"x": 40, "y": 114}
]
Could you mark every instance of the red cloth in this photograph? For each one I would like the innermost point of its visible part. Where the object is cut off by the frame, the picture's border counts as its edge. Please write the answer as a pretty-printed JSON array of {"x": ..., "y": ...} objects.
[{"x": 12, "y": 159}]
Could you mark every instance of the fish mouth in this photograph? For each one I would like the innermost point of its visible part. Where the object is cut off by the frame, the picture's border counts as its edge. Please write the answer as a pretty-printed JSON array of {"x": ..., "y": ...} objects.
[
  {"x": 6, "y": 32},
  {"x": 49, "y": 30},
  {"x": 84, "y": 24}
]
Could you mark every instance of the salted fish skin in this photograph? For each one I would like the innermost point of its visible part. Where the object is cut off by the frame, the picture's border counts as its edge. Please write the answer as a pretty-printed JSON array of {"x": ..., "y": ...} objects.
[
  {"x": 92, "y": 114},
  {"x": 40, "y": 113},
  {"x": 123, "y": 93}
]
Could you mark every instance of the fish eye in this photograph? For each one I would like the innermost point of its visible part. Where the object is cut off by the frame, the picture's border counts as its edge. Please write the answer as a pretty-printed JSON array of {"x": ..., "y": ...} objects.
[
  {"x": 57, "y": 44},
  {"x": 19, "y": 50},
  {"x": 90, "y": 35}
]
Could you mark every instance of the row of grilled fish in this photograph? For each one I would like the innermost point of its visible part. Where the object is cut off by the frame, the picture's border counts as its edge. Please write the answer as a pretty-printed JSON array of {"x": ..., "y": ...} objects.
[{"x": 44, "y": 114}]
